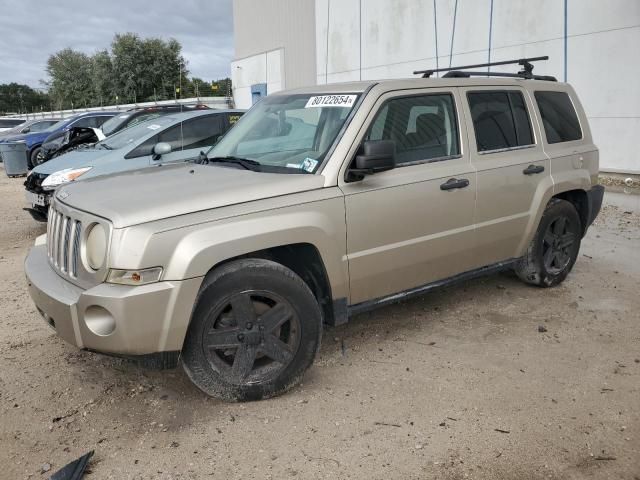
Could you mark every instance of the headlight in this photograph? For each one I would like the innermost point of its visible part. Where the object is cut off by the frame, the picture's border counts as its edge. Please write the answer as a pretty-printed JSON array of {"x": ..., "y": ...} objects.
[
  {"x": 63, "y": 176},
  {"x": 96, "y": 246},
  {"x": 135, "y": 277}
]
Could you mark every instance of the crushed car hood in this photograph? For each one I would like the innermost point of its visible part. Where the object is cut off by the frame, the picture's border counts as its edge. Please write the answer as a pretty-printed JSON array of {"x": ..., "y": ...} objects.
[
  {"x": 76, "y": 159},
  {"x": 156, "y": 193}
]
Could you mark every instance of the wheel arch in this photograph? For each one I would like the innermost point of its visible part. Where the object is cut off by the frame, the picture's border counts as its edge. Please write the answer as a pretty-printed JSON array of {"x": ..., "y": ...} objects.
[
  {"x": 304, "y": 260},
  {"x": 578, "y": 198}
]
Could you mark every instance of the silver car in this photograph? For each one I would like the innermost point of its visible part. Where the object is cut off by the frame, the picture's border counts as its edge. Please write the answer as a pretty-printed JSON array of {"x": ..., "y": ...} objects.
[{"x": 178, "y": 137}]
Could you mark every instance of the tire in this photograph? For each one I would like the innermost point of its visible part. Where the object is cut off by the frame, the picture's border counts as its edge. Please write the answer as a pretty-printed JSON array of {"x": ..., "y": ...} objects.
[
  {"x": 34, "y": 160},
  {"x": 554, "y": 248},
  {"x": 278, "y": 317}
]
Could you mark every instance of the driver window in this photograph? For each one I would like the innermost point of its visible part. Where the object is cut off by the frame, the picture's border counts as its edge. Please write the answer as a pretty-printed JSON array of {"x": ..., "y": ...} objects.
[
  {"x": 424, "y": 128},
  {"x": 172, "y": 136}
]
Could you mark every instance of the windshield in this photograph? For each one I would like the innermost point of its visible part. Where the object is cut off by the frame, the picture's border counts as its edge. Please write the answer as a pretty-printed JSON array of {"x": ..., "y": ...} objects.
[
  {"x": 290, "y": 131},
  {"x": 131, "y": 134}
]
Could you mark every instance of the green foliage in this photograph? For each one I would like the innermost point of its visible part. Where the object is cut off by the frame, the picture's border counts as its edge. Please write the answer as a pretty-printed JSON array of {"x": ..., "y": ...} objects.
[
  {"x": 134, "y": 70},
  {"x": 17, "y": 98}
]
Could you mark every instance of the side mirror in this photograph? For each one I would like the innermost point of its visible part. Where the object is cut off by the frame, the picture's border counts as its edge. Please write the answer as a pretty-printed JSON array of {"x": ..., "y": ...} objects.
[
  {"x": 25, "y": 130},
  {"x": 377, "y": 156},
  {"x": 161, "y": 148}
]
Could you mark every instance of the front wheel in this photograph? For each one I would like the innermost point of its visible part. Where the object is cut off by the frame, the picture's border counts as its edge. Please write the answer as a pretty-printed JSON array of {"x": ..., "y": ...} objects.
[
  {"x": 255, "y": 330},
  {"x": 554, "y": 248},
  {"x": 37, "y": 157}
]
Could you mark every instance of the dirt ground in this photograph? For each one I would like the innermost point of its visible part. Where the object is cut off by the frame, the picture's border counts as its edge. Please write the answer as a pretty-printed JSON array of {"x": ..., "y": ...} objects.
[{"x": 457, "y": 384}]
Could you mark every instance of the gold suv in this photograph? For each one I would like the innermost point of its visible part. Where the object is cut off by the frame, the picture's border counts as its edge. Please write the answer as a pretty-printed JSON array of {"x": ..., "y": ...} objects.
[{"x": 320, "y": 203}]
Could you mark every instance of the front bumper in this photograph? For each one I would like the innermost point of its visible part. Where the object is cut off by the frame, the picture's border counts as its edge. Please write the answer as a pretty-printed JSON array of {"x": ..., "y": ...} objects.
[{"x": 112, "y": 319}]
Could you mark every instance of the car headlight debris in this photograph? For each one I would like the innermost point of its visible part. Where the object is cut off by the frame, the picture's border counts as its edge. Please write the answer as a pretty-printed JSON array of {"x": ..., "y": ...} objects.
[{"x": 63, "y": 176}]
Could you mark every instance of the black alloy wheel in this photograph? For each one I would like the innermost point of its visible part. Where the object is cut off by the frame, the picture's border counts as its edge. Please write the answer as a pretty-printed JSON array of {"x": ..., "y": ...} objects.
[{"x": 253, "y": 337}]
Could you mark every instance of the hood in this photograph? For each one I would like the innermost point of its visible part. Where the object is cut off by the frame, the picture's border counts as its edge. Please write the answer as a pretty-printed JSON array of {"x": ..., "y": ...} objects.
[
  {"x": 74, "y": 159},
  {"x": 167, "y": 191}
]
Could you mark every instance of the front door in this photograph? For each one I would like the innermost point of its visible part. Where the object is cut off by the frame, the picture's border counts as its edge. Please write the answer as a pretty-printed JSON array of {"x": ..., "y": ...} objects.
[{"x": 406, "y": 227}]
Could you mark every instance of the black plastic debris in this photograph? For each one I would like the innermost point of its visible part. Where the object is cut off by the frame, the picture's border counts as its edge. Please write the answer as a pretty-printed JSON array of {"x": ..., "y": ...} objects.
[{"x": 74, "y": 470}]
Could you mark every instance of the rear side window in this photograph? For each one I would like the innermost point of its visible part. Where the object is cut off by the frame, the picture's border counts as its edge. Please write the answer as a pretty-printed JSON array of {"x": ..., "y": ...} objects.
[
  {"x": 500, "y": 120},
  {"x": 424, "y": 128},
  {"x": 558, "y": 117}
]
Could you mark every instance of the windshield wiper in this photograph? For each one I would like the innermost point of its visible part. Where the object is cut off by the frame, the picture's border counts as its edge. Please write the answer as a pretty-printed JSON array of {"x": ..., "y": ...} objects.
[
  {"x": 246, "y": 163},
  {"x": 106, "y": 147}
]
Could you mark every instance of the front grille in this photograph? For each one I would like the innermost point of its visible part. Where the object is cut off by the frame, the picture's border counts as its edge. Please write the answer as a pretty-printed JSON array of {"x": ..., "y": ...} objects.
[{"x": 63, "y": 242}]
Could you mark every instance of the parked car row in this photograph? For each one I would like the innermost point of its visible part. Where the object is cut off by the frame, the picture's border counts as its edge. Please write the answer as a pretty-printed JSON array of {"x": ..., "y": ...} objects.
[
  {"x": 29, "y": 126},
  {"x": 136, "y": 140},
  {"x": 35, "y": 139},
  {"x": 9, "y": 123},
  {"x": 322, "y": 202}
]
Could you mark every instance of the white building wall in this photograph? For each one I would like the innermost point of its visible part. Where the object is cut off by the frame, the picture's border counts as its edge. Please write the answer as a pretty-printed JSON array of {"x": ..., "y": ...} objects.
[
  {"x": 267, "y": 67},
  {"x": 375, "y": 39},
  {"x": 274, "y": 44}
]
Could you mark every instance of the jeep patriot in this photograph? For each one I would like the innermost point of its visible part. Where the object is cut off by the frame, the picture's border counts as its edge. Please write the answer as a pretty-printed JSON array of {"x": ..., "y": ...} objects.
[{"x": 320, "y": 203}]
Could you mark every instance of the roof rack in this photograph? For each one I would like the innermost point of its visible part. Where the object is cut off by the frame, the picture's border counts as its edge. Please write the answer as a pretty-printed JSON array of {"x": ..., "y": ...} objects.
[{"x": 526, "y": 72}]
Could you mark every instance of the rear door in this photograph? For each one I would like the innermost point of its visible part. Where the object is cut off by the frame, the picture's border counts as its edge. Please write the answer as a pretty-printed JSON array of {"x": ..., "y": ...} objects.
[
  {"x": 405, "y": 228},
  {"x": 512, "y": 169}
]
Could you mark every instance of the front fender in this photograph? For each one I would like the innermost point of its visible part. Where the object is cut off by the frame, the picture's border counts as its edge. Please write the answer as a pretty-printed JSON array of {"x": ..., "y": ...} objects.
[{"x": 193, "y": 251}]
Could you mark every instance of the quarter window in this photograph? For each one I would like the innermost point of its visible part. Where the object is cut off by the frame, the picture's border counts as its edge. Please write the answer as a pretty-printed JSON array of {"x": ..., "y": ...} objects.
[
  {"x": 558, "y": 117},
  {"x": 424, "y": 128},
  {"x": 500, "y": 120}
]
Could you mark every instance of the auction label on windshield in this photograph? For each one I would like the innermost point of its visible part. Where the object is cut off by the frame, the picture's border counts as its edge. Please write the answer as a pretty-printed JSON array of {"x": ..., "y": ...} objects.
[{"x": 345, "y": 101}]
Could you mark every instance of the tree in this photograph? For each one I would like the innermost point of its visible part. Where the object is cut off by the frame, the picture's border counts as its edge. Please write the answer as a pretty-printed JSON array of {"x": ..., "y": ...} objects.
[
  {"x": 102, "y": 78},
  {"x": 17, "y": 98},
  {"x": 147, "y": 69},
  {"x": 70, "y": 73},
  {"x": 133, "y": 70}
]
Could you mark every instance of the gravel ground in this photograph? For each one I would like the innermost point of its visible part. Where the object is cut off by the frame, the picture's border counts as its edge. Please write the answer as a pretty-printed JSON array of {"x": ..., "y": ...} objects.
[{"x": 488, "y": 379}]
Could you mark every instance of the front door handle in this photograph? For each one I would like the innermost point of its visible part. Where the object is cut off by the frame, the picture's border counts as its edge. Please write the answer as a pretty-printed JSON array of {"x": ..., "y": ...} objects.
[
  {"x": 533, "y": 169},
  {"x": 454, "y": 183}
]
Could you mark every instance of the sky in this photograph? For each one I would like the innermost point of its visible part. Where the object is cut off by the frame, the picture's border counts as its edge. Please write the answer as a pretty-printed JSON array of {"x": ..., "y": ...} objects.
[{"x": 31, "y": 30}]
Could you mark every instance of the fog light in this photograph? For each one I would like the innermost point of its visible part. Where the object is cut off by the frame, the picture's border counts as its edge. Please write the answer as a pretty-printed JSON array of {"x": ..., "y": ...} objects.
[{"x": 99, "y": 320}]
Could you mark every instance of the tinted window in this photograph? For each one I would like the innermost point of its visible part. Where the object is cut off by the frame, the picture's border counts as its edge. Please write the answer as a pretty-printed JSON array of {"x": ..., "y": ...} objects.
[
  {"x": 8, "y": 123},
  {"x": 172, "y": 136},
  {"x": 422, "y": 127},
  {"x": 40, "y": 126},
  {"x": 203, "y": 131},
  {"x": 101, "y": 119},
  {"x": 558, "y": 117},
  {"x": 500, "y": 120}
]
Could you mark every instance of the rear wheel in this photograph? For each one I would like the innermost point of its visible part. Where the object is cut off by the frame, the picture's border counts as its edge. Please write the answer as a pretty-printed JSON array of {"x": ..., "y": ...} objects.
[
  {"x": 255, "y": 329},
  {"x": 554, "y": 248}
]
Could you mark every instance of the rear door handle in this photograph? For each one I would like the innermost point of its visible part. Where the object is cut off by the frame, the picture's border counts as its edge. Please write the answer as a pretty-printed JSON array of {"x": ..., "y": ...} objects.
[
  {"x": 533, "y": 169},
  {"x": 454, "y": 183}
]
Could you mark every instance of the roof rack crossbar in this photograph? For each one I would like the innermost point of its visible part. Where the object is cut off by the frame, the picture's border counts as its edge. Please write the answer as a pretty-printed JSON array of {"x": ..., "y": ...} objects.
[
  {"x": 466, "y": 74},
  {"x": 527, "y": 67}
]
